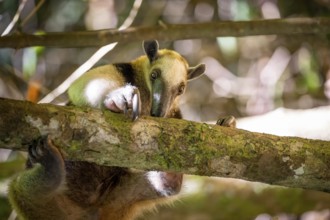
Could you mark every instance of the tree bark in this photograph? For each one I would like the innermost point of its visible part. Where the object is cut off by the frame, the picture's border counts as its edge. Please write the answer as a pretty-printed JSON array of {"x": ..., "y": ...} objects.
[
  {"x": 169, "y": 32},
  {"x": 111, "y": 139}
]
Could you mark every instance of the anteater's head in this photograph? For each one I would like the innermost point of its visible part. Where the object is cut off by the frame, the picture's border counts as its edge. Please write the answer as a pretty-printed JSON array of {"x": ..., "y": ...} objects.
[{"x": 167, "y": 77}]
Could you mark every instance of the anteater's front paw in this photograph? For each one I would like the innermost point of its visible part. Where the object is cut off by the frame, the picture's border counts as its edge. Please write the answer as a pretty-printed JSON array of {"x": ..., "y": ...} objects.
[
  {"x": 123, "y": 99},
  {"x": 43, "y": 151},
  {"x": 120, "y": 99}
]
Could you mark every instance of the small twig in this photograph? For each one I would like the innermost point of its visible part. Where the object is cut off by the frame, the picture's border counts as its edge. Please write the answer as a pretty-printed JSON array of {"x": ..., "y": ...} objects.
[
  {"x": 35, "y": 9},
  {"x": 15, "y": 18}
]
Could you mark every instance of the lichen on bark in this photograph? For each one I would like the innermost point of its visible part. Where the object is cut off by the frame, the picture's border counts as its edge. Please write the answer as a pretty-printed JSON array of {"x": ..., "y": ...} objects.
[{"x": 177, "y": 145}]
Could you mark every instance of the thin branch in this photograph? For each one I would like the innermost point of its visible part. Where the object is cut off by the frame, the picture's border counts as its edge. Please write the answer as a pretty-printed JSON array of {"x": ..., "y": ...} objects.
[
  {"x": 112, "y": 139},
  {"x": 15, "y": 18},
  {"x": 33, "y": 12},
  {"x": 92, "y": 60},
  {"x": 317, "y": 26}
]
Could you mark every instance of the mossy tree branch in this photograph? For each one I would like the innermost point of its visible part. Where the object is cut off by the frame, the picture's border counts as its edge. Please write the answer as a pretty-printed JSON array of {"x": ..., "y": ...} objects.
[
  {"x": 317, "y": 26},
  {"x": 112, "y": 139}
]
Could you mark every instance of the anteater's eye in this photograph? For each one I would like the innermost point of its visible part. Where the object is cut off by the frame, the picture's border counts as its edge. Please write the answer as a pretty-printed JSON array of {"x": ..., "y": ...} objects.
[
  {"x": 181, "y": 89},
  {"x": 155, "y": 74}
]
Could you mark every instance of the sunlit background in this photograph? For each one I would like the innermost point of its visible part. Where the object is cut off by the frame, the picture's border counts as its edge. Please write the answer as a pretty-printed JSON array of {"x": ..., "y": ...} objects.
[{"x": 245, "y": 76}]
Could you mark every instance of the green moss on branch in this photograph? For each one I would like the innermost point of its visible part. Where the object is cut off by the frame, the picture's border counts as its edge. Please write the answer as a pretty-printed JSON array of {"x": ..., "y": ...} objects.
[{"x": 149, "y": 143}]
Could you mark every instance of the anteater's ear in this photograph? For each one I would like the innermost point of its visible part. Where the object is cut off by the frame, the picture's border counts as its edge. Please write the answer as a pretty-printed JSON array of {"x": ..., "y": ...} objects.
[
  {"x": 196, "y": 71},
  {"x": 151, "y": 49}
]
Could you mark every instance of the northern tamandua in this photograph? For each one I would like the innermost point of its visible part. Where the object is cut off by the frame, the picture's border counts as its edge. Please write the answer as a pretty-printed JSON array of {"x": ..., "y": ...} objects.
[
  {"x": 54, "y": 188},
  {"x": 161, "y": 77}
]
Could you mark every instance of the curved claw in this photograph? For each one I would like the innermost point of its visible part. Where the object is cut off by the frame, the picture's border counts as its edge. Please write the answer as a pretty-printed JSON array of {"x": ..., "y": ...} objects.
[
  {"x": 136, "y": 105},
  {"x": 227, "y": 121},
  {"x": 125, "y": 107}
]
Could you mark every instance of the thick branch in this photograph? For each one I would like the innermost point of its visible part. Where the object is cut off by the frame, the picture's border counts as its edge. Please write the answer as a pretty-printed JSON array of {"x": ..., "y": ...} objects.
[
  {"x": 171, "y": 32},
  {"x": 168, "y": 144}
]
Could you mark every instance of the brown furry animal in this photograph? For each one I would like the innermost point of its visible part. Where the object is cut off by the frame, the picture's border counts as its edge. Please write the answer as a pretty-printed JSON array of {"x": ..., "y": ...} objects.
[{"x": 55, "y": 188}]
